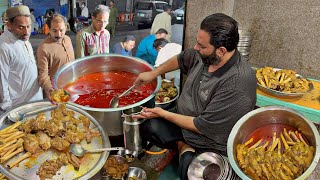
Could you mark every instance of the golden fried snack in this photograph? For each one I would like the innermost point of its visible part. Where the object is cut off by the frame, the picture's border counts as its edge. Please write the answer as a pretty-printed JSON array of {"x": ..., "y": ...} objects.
[
  {"x": 60, "y": 95},
  {"x": 283, "y": 80},
  {"x": 283, "y": 159}
]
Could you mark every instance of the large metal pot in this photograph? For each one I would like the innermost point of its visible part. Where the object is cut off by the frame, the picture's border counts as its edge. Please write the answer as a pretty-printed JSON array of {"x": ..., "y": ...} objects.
[
  {"x": 272, "y": 115},
  {"x": 109, "y": 118}
]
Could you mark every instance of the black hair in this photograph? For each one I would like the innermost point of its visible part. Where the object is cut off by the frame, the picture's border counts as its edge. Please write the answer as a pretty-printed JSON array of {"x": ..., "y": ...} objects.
[
  {"x": 112, "y": 1},
  {"x": 166, "y": 7},
  {"x": 128, "y": 38},
  {"x": 223, "y": 31},
  {"x": 160, "y": 43},
  {"x": 161, "y": 31},
  {"x": 83, "y": 3}
]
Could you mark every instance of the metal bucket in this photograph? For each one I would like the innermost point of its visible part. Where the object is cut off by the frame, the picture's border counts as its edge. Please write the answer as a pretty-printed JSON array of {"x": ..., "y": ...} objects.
[
  {"x": 131, "y": 131},
  {"x": 109, "y": 118}
]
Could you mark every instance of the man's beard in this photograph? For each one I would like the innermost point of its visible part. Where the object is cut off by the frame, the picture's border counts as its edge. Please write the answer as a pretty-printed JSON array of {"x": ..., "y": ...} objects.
[{"x": 211, "y": 59}]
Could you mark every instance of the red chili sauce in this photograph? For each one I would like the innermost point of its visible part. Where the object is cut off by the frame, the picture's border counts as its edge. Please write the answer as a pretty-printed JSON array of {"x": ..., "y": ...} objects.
[
  {"x": 96, "y": 90},
  {"x": 266, "y": 133}
]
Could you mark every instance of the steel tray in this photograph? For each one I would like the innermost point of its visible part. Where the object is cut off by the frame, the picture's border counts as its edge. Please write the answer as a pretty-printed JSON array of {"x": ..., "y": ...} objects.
[
  {"x": 284, "y": 94},
  {"x": 90, "y": 163}
]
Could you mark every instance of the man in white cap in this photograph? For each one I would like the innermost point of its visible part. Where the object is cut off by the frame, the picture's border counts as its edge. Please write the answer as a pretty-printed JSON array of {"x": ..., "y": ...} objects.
[{"x": 18, "y": 68}]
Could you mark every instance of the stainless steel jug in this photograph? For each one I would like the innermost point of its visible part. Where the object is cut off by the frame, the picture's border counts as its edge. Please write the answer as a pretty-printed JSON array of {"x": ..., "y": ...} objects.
[{"x": 131, "y": 131}]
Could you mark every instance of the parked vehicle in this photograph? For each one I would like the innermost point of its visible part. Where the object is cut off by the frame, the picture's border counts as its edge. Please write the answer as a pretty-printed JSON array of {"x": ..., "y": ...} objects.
[
  {"x": 179, "y": 13},
  {"x": 146, "y": 11}
]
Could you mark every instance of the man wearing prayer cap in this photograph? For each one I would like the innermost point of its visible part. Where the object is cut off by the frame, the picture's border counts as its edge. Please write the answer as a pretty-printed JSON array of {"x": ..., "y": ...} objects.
[{"x": 18, "y": 68}]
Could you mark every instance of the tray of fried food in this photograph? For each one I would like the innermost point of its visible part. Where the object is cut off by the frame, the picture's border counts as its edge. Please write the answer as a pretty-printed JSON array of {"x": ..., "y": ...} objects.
[
  {"x": 167, "y": 93},
  {"x": 282, "y": 82},
  {"x": 39, "y": 146},
  {"x": 286, "y": 157}
]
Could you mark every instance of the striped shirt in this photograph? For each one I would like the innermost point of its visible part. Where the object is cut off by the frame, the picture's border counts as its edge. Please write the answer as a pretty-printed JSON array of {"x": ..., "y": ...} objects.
[
  {"x": 88, "y": 42},
  {"x": 218, "y": 99}
]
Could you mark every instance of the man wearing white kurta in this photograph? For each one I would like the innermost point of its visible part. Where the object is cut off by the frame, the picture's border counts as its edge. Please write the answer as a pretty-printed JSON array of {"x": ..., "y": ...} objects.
[
  {"x": 163, "y": 20},
  {"x": 18, "y": 68},
  {"x": 165, "y": 53}
]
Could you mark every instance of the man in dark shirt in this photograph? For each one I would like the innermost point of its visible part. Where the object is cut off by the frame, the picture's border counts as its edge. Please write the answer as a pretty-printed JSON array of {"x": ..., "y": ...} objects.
[
  {"x": 220, "y": 88},
  {"x": 125, "y": 46}
]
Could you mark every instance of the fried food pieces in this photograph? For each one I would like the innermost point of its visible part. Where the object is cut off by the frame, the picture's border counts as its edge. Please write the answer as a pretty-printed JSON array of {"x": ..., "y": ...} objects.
[
  {"x": 39, "y": 134},
  {"x": 282, "y": 80},
  {"x": 116, "y": 167},
  {"x": 276, "y": 162},
  {"x": 60, "y": 95},
  {"x": 167, "y": 92},
  {"x": 11, "y": 144}
]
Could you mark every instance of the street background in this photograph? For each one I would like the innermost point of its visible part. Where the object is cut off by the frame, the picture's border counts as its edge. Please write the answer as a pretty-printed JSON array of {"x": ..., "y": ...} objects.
[{"x": 122, "y": 30}]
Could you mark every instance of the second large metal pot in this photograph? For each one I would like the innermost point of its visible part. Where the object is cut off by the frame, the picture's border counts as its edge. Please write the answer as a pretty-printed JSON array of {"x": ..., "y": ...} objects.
[{"x": 109, "y": 118}]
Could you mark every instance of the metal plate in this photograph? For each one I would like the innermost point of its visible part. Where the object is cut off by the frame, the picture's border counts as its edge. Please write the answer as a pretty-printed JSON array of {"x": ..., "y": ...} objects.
[
  {"x": 90, "y": 163},
  {"x": 199, "y": 163},
  {"x": 283, "y": 94}
]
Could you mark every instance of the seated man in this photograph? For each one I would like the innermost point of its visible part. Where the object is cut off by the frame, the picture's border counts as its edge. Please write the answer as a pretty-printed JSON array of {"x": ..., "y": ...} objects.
[
  {"x": 125, "y": 46},
  {"x": 146, "y": 51},
  {"x": 220, "y": 88}
]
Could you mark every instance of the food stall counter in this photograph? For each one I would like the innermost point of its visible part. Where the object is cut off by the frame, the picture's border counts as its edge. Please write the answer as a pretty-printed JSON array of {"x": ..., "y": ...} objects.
[{"x": 309, "y": 104}]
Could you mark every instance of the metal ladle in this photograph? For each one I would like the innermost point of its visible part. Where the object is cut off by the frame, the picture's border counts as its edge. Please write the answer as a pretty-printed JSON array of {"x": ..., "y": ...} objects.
[
  {"x": 115, "y": 100},
  {"x": 79, "y": 151}
]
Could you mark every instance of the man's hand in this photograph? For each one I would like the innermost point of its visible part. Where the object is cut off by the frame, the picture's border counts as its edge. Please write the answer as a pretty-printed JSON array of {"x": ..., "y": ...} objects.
[
  {"x": 145, "y": 77},
  {"x": 149, "y": 113},
  {"x": 48, "y": 93}
]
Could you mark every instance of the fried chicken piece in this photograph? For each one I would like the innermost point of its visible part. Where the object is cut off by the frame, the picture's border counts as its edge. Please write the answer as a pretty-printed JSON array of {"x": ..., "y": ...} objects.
[
  {"x": 48, "y": 169},
  {"x": 74, "y": 161},
  {"x": 61, "y": 126},
  {"x": 90, "y": 134},
  {"x": 31, "y": 144},
  {"x": 59, "y": 143},
  {"x": 85, "y": 121},
  {"x": 44, "y": 140},
  {"x": 39, "y": 123},
  {"x": 63, "y": 159},
  {"x": 51, "y": 128},
  {"x": 26, "y": 126},
  {"x": 74, "y": 136}
]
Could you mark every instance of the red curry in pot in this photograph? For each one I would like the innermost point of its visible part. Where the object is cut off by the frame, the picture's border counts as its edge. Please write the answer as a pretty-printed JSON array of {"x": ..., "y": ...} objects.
[{"x": 97, "y": 89}]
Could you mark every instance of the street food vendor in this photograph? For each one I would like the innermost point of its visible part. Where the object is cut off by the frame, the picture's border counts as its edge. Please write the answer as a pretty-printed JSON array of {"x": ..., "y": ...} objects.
[{"x": 220, "y": 88}]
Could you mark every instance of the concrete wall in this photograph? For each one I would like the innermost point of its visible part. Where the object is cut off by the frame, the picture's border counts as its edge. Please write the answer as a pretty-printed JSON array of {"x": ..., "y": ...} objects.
[{"x": 285, "y": 33}]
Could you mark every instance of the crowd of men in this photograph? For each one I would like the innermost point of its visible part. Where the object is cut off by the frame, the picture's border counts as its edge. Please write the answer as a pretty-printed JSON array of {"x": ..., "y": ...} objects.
[{"x": 219, "y": 89}]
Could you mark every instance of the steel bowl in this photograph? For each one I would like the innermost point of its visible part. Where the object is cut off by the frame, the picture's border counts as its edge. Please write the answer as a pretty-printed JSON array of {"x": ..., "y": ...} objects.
[
  {"x": 137, "y": 172},
  {"x": 284, "y": 94},
  {"x": 167, "y": 104},
  {"x": 109, "y": 118},
  {"x": 120, "y": 160},
  {"x": 272, "y": 115}
]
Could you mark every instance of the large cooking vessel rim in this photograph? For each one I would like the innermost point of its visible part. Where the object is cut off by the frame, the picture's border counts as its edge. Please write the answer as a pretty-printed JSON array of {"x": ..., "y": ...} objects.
[{"x": 61, "y": 69}]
